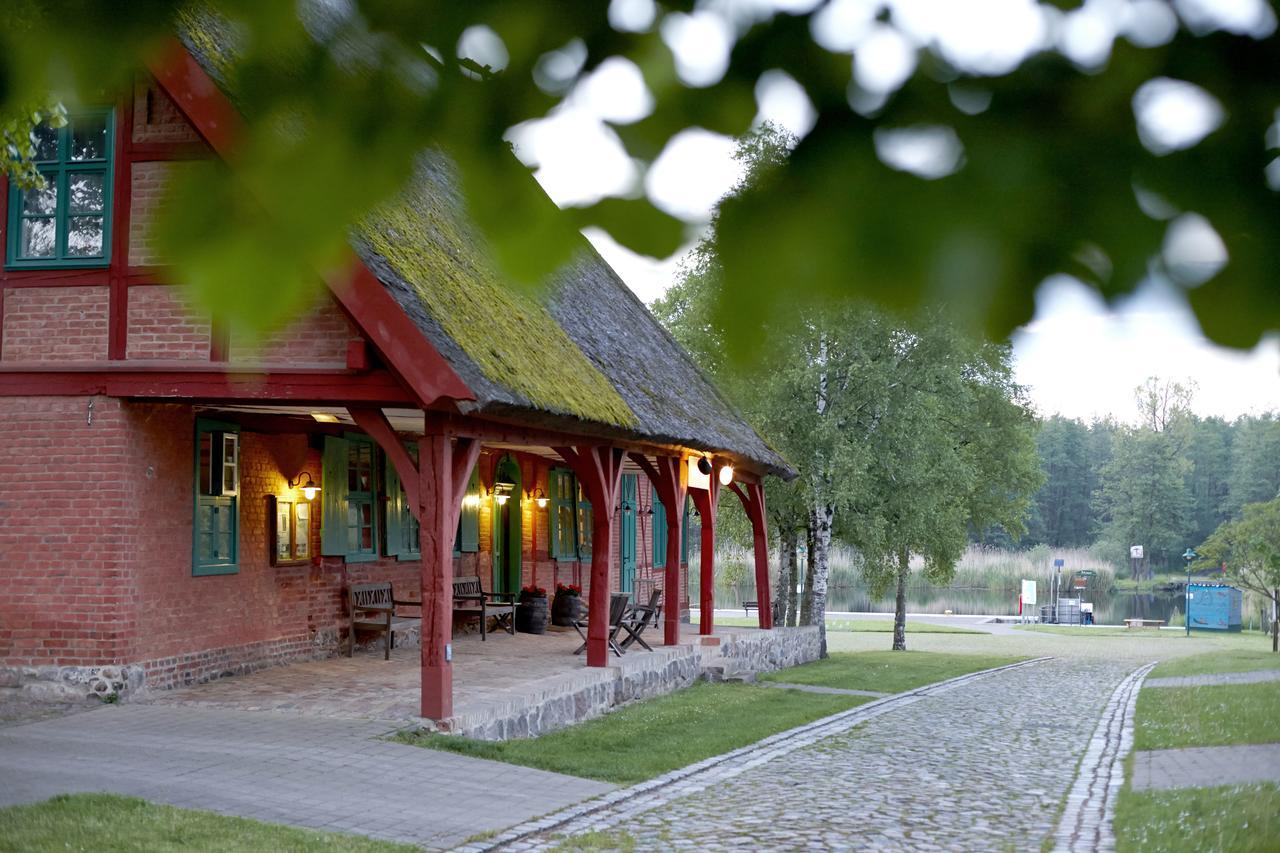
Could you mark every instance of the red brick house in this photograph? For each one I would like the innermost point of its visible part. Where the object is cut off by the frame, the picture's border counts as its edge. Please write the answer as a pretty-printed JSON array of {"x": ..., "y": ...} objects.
[{"x": 155, "y": 527}]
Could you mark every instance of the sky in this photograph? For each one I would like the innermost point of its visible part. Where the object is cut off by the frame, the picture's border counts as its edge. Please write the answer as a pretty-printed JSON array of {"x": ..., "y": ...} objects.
[{"x": 1077, "y": 357}]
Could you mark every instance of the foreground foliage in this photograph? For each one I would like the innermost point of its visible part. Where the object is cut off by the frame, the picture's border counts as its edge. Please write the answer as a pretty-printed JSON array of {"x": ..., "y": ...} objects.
[
  {"x": 650, "y": 738},
  {"x": 1222, "y": 715},
  {"x": 111, "y": 823},
  {"x": 887, "y": 671}
]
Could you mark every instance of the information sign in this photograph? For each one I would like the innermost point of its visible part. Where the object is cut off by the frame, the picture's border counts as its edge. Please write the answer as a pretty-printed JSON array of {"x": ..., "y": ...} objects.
[
  {"x": 1135, "y": 552},
  {"x": 1028, "y": 593}
]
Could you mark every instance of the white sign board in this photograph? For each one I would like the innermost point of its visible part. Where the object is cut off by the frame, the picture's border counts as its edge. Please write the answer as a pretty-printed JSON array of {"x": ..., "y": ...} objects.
[
  {"x": 1028, "y": 593},
  {"x": 697, "y": 479},
  {"x": 1135, "y": 552}
]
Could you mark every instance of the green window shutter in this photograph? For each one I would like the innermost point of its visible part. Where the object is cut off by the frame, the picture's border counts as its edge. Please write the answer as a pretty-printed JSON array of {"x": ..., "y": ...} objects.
[
  {"x": 659, "y": 533},
  {"x": 684, "y": 534},
  {"x": 585, "y": 528},
  {"x": 67, "y": 223},
  {"x": 396, "y": 508},
  {"x": 215, "y": 533},
  {"x": 333, "y": 493},
  {"x": 469, "y": 518}
]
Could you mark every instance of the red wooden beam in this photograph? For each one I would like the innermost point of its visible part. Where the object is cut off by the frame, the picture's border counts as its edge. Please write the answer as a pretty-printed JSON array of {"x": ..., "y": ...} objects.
[
  {"x": 122, "y": 190},
  {"x": 670, "y": 479},
  {"x": 752, "y": 497},
  {"x": 599, "y": 470},
  {"x": 170, "y": 382},
  {"x": 375, "y": 423},
  {"x": 198, "y": 97},
  {"x": 706, "y": 502}
]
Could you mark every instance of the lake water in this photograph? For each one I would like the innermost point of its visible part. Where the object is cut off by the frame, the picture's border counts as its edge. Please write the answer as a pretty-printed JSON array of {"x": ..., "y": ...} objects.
[{"x": 1109, "y": 609}]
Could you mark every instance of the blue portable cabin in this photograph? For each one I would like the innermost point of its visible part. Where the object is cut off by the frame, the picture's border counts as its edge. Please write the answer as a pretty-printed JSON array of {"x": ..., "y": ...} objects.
[{"x": 1214, "y": 607}]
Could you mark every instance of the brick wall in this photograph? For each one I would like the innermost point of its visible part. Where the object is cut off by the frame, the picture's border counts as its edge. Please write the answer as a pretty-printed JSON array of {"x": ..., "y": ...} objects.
[
  {"x": 55, "y": 324},
  {"x": 163, "y": 326},
  {"x": 156, "y": 118},
  {"x": 317, "y": 338},
  {"x": 149, "y": 183},
  {"x": 66, "y": 532}
]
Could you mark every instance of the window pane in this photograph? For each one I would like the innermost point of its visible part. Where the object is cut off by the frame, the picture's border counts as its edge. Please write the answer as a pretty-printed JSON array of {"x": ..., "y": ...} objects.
[
  {"x": 86, "y": 192},
  {"x": 46, "y": 142},
  {"x": 206, "y": 455},
  {"x": 89, "y": 138},
  {"x": 43, "y": 201},
  {"x": 84, "y": 236},
  {"x": 37, "y": 238}
]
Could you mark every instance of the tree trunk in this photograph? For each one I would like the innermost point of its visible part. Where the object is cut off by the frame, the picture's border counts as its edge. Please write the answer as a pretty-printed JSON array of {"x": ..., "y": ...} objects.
[
  {"x": 820, "y": 561},
  {"x": 1275, "y": 620},
  {"x": 786, "y": 590},
  {"x": 805, "y": 607},
  {"x": 900, "y": 604}
]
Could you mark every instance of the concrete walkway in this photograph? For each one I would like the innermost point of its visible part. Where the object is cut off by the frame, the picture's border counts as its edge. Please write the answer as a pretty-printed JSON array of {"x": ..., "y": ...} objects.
[
  {"x": 1206, "y": 766},
  {"x": 331, "y": 774},
  {"x": 1216, "y": 679}
]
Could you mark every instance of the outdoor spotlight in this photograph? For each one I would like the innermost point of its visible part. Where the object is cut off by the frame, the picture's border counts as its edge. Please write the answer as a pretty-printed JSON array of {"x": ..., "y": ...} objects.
[
  {"x": 726, "y": 475},
  {"x": 309, "y": 489},
  {"x": 704, "y": 465},
  {"x": 540, "y": 498},
  {"x": 502, "y": 499}
]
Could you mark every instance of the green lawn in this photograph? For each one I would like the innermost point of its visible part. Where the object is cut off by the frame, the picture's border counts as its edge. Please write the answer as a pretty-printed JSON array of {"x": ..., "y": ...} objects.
[
  {"x": 104, "y": 822},
  {"x": 886, "y": 671},
  {"x": 1168, "y": 718},
  {"x": 650, "y": 738},
  {"x": 1228, "y": 660},
  {"x": 874, "y": 626},
  {"x": 1091, "y": 631},
  {"x": 1242, "y": 818}
]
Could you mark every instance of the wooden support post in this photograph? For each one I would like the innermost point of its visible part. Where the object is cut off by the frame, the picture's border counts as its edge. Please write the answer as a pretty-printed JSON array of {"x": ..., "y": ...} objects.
[
  {"x": 670, "y": 479},
  {"x": 705, "y": 501},
  {"x": 752, "y": 497},
  {"x": 443, "y": 471},
  {"x": 599, "y": 470}
]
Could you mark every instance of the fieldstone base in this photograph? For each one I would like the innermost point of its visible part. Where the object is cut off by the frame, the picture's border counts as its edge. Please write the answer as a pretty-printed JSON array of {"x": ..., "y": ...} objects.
[
  {"x": 585, "y": 693},
  {"x": 70, "y": 684}
]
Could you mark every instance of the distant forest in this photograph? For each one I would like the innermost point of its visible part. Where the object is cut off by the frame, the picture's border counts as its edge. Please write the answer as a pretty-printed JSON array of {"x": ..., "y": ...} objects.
[{"x": 1166, "y": 484}]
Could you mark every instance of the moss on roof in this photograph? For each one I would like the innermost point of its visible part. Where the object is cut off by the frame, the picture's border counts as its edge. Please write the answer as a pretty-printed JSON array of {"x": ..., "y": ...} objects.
[{"x": 508, "y": 333}]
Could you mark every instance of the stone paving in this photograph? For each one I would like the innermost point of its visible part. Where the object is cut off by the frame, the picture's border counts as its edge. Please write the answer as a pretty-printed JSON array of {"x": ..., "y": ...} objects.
[
  {"x": 983, "y": 764},
  {"x": 331, "y": 774},
  {"x": 1206, "y": 766},
  {"x": 1260, "y": 676}
]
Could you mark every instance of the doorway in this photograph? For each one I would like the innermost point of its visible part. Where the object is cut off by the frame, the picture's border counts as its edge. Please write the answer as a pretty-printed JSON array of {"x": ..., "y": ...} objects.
[
  {"x": 508, "y": 529},
  {"x": 627, "y": 535}
]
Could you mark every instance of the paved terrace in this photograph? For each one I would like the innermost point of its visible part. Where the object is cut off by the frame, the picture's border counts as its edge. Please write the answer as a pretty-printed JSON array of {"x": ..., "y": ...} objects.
[{"x": 504, "y": 686}]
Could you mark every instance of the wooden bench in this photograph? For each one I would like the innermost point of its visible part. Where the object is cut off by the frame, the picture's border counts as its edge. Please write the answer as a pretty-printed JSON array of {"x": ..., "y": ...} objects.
[
  {"x": 748, "y": 606},
  {"x": 470, "y": 601},
  {"x": 372, "y": 607},
  {"x": 1143, "y": 623}
]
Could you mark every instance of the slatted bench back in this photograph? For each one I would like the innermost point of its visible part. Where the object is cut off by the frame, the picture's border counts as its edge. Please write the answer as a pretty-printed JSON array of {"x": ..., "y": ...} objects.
[
  {"x": 467, "y": 586},
  {"x": 370, "y": 596}
]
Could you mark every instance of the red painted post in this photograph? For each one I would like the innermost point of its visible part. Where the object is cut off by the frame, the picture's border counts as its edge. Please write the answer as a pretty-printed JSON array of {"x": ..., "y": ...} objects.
[
  {"x": 752, "y": 498},
  {"x": 706, "y": 501},
  {"x": 435, "y": 491}
]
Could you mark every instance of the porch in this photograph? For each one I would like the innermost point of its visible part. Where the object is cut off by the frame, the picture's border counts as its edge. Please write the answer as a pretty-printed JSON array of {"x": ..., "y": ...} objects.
[{"x": 504, "y": 687}]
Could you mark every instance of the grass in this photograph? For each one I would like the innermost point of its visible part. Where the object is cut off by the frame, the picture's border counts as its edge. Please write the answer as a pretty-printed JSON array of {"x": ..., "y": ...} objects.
[
  {"x": 1243, "y": 818},
  {"x": 650, "y": 738},
  {"x": 597, "y": 840},
  {"x": 874, "y": 626},
  {"x": 1230, "y": 660},
  {"x": 886, "y": 671},
  {"x": 105, "y": 822},
  {"x": 1169, "y": 718},
  {"x": 1091, "y": 631}
]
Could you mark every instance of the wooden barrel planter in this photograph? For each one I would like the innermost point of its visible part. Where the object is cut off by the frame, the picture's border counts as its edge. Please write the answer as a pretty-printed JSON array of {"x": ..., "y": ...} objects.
[
  {"x": 566, "y": 609},
  {"x": 531, "y": 615}
]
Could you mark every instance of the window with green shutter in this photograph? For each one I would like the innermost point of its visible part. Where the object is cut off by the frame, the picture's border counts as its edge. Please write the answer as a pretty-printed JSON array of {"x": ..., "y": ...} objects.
[
  {"x": 584, "y": 524},
  {"x": 67, "y": 222},
  {"x": 659, "y": 532},
  {"x": 684, "y": 532},
  {"x": 403, "y": 541},
  {"x": 350, "y": 524},
  {"x": 562, "y": 516},
  {"x": 215, "y": 548},
  {"x": 468, "y": 536}
]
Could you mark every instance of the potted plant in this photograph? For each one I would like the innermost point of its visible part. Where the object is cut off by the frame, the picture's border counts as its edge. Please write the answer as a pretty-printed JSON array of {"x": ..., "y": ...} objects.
[
  {"x": 567, "y": 606},
  {"x": 531, "y": 615}
]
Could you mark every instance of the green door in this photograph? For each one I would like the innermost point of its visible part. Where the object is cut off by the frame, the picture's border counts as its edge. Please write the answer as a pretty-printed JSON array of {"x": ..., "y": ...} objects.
[
  {"x": 627, "y": 539},
  {"x": 507, "y": 528}
]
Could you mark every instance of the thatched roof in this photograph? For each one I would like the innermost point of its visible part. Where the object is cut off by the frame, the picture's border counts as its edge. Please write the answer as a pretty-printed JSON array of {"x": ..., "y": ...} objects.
[{"x": 581, "y": 354}]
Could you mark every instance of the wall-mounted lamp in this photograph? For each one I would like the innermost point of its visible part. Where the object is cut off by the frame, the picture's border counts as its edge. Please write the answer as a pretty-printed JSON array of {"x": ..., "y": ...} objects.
[
  {"x": 540, "y": 498},
  {"x": 471, "y": 501},
  {"x": 309, "y": 488},
  {"x": 502, "y": 491},
  {"x": 726, "y": 475}
]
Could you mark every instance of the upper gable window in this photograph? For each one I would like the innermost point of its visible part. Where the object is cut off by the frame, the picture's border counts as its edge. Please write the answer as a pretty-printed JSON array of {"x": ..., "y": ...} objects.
[{"x": 67, "y": 223}]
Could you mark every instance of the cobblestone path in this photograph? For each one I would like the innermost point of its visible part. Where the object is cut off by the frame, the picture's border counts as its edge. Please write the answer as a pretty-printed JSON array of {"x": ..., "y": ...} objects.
[{"x": 983, "y": 766}]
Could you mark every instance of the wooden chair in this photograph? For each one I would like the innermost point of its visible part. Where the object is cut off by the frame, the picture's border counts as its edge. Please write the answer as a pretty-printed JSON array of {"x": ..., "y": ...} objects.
[
  {"x": 470, "y": 601},
  {"x": 372, "y": 606},
  {"x": 619, "y": 604},
  {"x": 639, "y": 617}
]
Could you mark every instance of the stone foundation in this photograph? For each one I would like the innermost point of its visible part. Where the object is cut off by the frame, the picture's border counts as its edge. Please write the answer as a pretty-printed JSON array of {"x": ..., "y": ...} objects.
[
  {"x": 582, "y": 694},
  {"x": 70, "y": 684}
]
